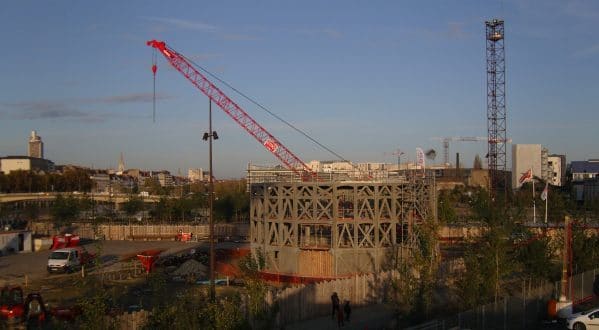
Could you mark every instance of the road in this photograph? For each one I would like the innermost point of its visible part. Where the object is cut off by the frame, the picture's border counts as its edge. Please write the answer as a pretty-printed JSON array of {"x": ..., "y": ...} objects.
[{"x": 14, "y": 268}]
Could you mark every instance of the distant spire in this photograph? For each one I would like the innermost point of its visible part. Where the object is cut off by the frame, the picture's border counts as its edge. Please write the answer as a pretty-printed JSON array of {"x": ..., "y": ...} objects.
[{"x": 121, "y": 168}]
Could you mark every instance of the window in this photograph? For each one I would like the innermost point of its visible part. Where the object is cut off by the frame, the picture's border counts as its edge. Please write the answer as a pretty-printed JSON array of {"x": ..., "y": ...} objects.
[{"x": 59, "y": 255}]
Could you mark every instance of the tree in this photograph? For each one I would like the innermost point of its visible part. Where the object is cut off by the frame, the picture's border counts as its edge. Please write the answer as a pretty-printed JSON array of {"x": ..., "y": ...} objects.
[
  {"x": 411, "y": 293},
  {"x": 64, "y": 210},
  {"x": 261, "y": 316},
  {"x": 95, "y": 300},
  {"x": 446, "y": 211},
  {"x": 487, "y": 261},
  {"x": 94, "y": 306},
  {"x": 32, "y": 211},
  {"x": 195, "y": 311},
  {"x": 536, "y": 256},
  {"x": 152, "y": 186},
  {"x": 585, "y": 249},
  {"x": 133, "y": 205}
]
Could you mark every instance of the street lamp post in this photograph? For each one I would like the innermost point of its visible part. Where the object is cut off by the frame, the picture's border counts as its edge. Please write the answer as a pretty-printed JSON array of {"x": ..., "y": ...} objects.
[{"x": 211, "y": 135}]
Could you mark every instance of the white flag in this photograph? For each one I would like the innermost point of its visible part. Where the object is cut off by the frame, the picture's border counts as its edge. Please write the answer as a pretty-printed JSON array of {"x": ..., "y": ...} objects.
[{"x": 544, "y": 193}]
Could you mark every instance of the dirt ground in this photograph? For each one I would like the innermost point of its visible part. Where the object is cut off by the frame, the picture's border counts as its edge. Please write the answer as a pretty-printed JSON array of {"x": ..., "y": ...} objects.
[{"x": 28, "y": 270}]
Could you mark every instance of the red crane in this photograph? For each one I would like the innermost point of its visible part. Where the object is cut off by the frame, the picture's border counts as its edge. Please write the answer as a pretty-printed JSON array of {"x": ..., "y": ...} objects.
[{"x": 234, "y": 111}]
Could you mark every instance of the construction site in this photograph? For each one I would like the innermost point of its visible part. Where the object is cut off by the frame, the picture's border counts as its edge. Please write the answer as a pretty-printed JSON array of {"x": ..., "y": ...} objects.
[{"x": 311, "y": 224}]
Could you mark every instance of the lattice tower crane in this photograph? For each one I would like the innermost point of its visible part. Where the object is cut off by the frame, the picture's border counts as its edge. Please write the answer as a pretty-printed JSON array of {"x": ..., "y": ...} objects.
[
  {"x": 272, "y": 144},
  {"x": 446, "y": 141}
]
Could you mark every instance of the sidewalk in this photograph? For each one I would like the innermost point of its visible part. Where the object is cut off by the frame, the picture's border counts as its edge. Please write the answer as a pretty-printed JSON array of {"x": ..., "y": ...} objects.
[{"x": 370, "y": 317}]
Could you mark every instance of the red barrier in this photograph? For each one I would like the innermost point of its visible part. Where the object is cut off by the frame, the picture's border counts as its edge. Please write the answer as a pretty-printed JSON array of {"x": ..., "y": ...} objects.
[
  {"x": 148, "y": 258},
  {"x": 66, "y": 240},
  {"x": 183, "y": 237},
  {"x": 72, "y": 240}
]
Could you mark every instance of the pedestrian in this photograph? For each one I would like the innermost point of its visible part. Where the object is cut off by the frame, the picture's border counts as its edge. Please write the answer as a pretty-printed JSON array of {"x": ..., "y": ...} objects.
[
  {"x": 340, "y": 317},
  {"x": 335, "y": 304},
  {"x": 347, "y": 310}
]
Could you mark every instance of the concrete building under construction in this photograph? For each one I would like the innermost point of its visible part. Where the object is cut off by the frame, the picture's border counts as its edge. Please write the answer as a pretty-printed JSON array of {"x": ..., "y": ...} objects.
[{"x": 336, "y": 225}]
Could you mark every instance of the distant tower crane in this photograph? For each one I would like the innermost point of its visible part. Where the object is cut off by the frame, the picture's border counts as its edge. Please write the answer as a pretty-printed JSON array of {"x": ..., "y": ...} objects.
[
  {"x": 448, "y": 139},
  {"x": 397, "y": 153},
  {"x": 496, "y": 114},
  {"x": 179, "y": 62}
]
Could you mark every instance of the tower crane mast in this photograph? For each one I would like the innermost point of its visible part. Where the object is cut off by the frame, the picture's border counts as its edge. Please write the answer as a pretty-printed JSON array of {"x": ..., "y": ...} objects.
[{"x": 179, "y": 62}]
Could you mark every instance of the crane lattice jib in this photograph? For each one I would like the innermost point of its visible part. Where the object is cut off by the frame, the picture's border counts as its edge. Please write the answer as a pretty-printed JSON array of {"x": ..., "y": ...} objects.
[{"x": 271, "y": 144}]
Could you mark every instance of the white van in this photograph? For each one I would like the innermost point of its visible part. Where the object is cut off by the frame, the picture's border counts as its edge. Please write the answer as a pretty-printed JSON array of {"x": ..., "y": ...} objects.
[{"x": 64, "y": 261}]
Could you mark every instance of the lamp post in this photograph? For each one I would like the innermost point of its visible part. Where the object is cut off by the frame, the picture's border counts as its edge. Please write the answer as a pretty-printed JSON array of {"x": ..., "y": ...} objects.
[{"x": 211, "y": 135}]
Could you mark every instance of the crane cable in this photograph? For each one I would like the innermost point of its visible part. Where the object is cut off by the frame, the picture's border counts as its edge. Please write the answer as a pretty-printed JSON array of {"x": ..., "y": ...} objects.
[
  {"x": 270, "y": 112},
  {"x": 154, "y": 69}
]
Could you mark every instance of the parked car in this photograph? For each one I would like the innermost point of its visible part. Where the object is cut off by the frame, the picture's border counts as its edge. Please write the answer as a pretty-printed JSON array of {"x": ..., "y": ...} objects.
[{"x": 584, "y": 320}]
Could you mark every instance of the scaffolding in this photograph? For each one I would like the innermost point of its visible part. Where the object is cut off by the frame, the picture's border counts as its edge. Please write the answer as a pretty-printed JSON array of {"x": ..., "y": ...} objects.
[{"x": 336, "y": 227}]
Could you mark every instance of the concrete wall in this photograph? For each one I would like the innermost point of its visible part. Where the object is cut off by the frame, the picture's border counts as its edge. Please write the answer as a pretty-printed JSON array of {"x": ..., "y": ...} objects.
[
  {"x": 15, "y": 241},
  {"x": 142, "y": 232}
]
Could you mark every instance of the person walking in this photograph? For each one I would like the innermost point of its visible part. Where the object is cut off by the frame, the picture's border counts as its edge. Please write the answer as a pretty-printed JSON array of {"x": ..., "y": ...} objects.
[
  {"x": 340, "y": 317},
  {"x": 347, "y": 310},
  {"x": 335, "y": 304}
]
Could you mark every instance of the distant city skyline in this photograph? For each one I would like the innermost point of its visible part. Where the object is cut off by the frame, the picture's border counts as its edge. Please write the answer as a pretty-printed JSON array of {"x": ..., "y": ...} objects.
[{"x": 362, "y": 79}]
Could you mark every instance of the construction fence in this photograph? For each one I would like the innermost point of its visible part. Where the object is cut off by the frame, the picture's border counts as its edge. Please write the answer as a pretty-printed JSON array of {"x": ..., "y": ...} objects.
[
  {"x": 581, "y": 286},
  {"x": 142, "y": 232},
  {"x": 131, "y": 321},
  {"x": 526, "y": 310},
  {"x": 307, "y": 301}
]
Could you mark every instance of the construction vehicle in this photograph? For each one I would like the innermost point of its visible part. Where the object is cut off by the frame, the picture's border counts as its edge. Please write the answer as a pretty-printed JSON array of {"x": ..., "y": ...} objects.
[
  {"x": 11, "y": 304},
  {"x": 31, "y": 310},
  {"x": 68, "y": 260},
  {"x": 274, "y": 146},
  {"x": 184, "y": 236}
]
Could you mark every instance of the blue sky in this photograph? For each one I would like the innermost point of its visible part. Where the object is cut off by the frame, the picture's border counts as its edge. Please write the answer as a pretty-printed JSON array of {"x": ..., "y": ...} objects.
[{"x": 363, "y": 78}]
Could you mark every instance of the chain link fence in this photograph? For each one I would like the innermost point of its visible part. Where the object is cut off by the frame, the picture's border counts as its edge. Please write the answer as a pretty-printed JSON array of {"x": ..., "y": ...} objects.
[{"x": 527, "y": 310}]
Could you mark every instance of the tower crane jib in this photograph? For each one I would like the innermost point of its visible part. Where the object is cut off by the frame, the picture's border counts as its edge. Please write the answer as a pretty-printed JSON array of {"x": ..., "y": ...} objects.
[{"x": 267, "y": 140}]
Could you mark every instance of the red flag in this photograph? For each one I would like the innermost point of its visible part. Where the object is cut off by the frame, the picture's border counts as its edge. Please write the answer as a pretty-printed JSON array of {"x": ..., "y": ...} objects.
[{"x": 526, "y": 176}]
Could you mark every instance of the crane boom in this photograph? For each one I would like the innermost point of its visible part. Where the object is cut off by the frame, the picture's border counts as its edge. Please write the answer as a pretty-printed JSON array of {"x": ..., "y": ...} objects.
[{"x": 234, "y": 111}]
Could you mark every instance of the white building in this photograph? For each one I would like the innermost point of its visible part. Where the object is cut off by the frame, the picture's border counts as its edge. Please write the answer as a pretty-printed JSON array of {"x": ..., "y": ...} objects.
[
  {"x": 35, "y": 147},
  {"x": 525, "y": 157},
  {"x": 556, "y": 165},
  {"x": 328, "y": 166},
  {"x": 15, "y": 241},
  {"x": 164, "y": 178},
  {"x": 24, "y": 163},
  {"x": 197, "y": 175}
]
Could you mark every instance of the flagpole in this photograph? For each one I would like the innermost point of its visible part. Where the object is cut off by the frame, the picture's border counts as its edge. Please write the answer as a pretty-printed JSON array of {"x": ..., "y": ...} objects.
[
  {"x": 546, "y": 200},
  {"x": 534, "y": 207}
]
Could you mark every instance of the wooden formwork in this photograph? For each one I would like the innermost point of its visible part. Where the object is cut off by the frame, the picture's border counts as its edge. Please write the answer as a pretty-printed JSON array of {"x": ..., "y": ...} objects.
[{"x": 335, "y": 228}]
